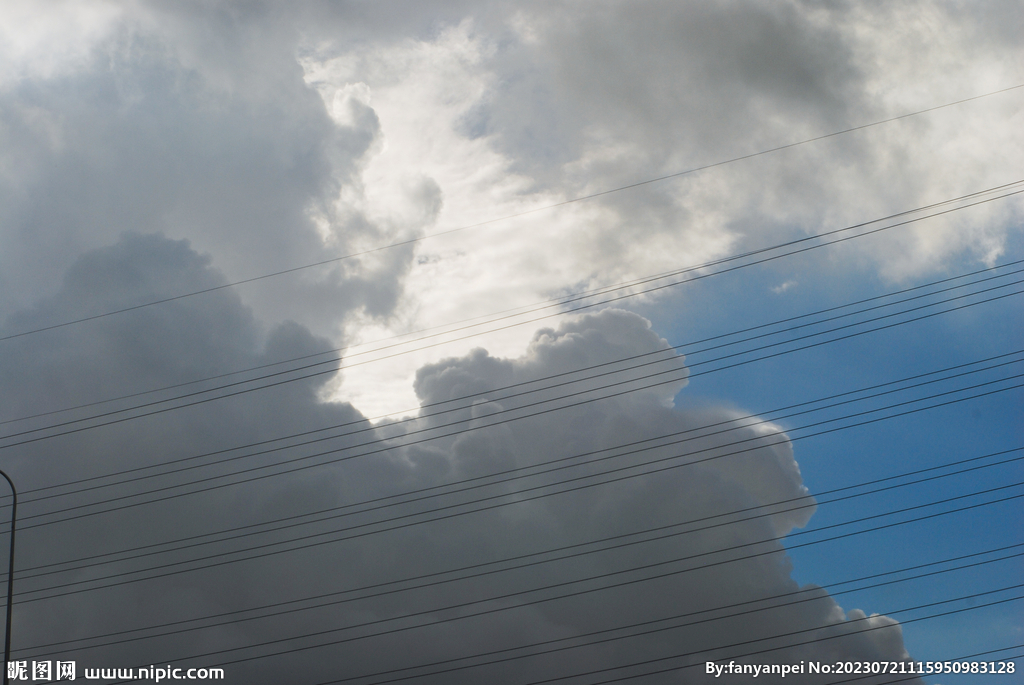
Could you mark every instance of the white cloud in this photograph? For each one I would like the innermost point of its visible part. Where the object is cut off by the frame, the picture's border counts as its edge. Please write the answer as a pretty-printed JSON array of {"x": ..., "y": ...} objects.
[
  {"x": 783, "y": 287},
  {"x": 509, "y": 112},
  {"x": 42, "y": 43}
]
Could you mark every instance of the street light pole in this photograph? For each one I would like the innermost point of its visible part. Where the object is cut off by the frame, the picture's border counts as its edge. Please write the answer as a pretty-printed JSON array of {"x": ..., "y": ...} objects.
[{"x": 10, "y": 581}]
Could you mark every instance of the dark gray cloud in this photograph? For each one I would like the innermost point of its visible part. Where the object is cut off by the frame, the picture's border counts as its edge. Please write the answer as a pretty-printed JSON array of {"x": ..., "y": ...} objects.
[
  {"x": 175, "y": 343},
  {"x": 209, "y": 135}
]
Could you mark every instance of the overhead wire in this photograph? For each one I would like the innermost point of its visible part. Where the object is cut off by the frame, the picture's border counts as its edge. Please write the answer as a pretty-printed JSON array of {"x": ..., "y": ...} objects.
[
  {"x": 759, "y": 437},
  {"x": 735, "y": 656},
  {"x": 460, "y": 513},
  {"x": 490, "y": 393},
  {"x": 554, "y": 641},
  {"x": 266, "y": 554},
  {"x": 616, "y": 361},
  {"x": 973, "y": 607},
  {"x": 642, "y": 633},
  {"x": 235, "y": 531},
  {"x": 805, "y": 591},
  {"x": 837, "y": 682},
  {"x": 619, "y": 545},
  {"x": 402, "y": 412},
  {"x": 740, "y": 424},
  {"x": 292, "y": 650},
  {"x": 507, "y": 217},
  {"x": 647, "y": 566},
  {"x": 26, "y": 572},
  {"x": 684, "y": 374},
  {"x": 587, "y": 306}
]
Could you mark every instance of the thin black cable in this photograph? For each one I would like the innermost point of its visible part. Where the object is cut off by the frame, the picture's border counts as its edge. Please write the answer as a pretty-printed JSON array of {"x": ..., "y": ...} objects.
[
  {"x": 236, "y": 532},
  {"x": 686, "y": 372},
  {"x": 629, "y": 636},
  {"x": 234, "y": 621},
  {"x": 558, "y": 302},
  {"x": 342, "y": 349},
  {"x": 26, "y": 576},
  {"x": 827, "y": 586},
  {"x": 482, "y": 508},
  {"x": 308, "y": 537},
  {"x": 565, "y": 373},
  {"x": 235, "y": 613},
  {"x": 838, "y": 682},
  {"x": 266, "y": 475},
  {"x": 294, "y": 469},
  {"x": 773, "y": 411},
  {"x": 645, "y": 567},
  {"x": 736, "y": 644},
  {"x": 460, "y": 398},
  {"x": 677, "y": 524},
  {"x": 504, "y": 218},
  {"x": 620, "y": 584},
  {"x": 789, "y": 646},
  {"x": 614, "y": 299},
  {"x": 642, "y": 624}
]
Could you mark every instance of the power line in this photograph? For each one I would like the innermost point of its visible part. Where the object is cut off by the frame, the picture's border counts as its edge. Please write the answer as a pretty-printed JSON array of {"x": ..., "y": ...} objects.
[
  {"x": 769, "y": 540},
  {"x": 613, "y": 547},
  {"x": 504, "y": 218},
  {"x": 689, "y": 353},
  {"x": 129, "y": 505},
  {"x": 478, "y": 427},
  {"x": 235, "y": 537},
  {"x": 558, "y": 302},
  {"x": 589, "y": 485},
  {"x": 735, "y": 644},
  {"x": 341, "y": 349},
  {"x": 236, "y": 533},
  {"x": 579, "y": 636},
  {"x": 574, "y": 371},
  {"x": 514, "y": 385},
  {"x": 796, "y": 632},
  {"x": 636, "y": 634},
  {"x": 610, "y": 300}
]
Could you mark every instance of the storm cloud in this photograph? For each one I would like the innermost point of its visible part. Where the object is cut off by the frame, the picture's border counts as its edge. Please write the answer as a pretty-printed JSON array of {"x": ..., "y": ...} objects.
[{"x": 160, "y": 347}]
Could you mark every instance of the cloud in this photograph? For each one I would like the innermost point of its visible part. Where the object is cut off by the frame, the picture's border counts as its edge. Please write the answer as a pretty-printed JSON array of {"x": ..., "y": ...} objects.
[
  {"x": 153, "y": 149},
  {"x": 272, "y": 137},
  {"x": 508, "y": 108},
  {"x": 783, "y": 287},
  {"x": 211, "y": 137},
  {"x": 189, "y": 338}
]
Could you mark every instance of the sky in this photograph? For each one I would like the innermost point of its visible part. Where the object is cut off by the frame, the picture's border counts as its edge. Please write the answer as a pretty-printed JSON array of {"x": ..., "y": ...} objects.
[{"x": 513, "y": 342}]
